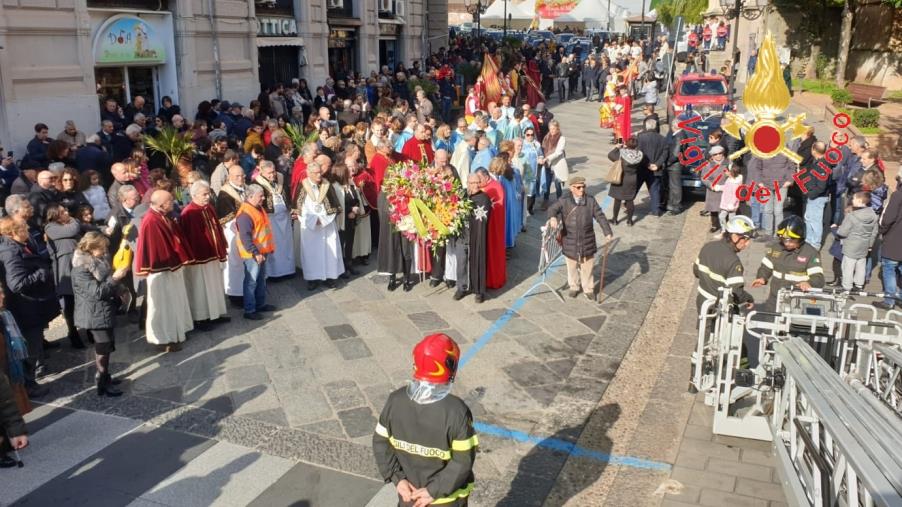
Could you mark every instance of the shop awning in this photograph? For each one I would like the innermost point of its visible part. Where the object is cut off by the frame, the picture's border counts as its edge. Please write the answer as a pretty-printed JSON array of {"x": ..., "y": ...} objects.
[{"x": 266, "y": 42}]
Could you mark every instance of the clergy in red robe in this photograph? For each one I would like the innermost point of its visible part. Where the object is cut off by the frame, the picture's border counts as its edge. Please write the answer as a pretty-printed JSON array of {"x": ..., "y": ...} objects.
[
  {"x": 419, "y": 148},
  {"x": 623, "y": 119},
  {"x": 365, "y": 180},
  {"x": 203, "y": 278},
  {"x": 380, "y": 163},
  {"x": 299, "y": 170},
  {"x": 532, "y": 83},
  {"x": 495, "y": 256},
  {"x": 162, "y": 251}
]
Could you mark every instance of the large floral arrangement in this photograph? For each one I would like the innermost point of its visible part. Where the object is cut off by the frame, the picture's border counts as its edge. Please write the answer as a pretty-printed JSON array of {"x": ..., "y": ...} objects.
[{"x": 423, "y": 204}]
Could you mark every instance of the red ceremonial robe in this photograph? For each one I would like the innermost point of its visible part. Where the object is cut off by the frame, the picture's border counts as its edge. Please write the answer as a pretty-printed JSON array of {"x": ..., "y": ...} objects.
[
  {"x": 418, "y": 151},
  {"x": 298, "y": 174},
  {"x": 495, "y": 260},
  {"x": 379, "y": 166},
  {"x": 161, "y": 245},
  {"x": 204, "y": 234},
  {"x": 533, "y": 92},
  {"x": 624, "y": 117},
  {"x": 366, "y": 182}
]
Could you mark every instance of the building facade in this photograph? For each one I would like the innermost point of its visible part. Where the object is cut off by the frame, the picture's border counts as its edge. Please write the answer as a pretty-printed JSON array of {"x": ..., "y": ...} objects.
[{"x": 60, "y": 59}]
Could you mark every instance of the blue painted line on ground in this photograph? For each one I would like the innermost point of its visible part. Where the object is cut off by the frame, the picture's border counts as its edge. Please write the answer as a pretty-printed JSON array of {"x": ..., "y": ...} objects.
[
  {"x": 500, "y": 322},
  {"x": 551, "y": 443},
  {"x": 556, "y": 444}
]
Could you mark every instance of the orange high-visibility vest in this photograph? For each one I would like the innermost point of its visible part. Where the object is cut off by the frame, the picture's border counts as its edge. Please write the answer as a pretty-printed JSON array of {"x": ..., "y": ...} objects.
[{"x": 262, "y": 231}]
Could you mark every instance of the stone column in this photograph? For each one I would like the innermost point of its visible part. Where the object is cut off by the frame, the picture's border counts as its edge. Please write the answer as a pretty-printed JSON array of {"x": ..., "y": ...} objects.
[{"x": 313, "y": 27}]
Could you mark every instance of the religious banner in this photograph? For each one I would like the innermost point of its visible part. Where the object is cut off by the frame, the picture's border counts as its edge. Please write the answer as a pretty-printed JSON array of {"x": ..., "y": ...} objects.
[
  {"x": 550, "y": 9},
  {"x": 128, "y": 39}
]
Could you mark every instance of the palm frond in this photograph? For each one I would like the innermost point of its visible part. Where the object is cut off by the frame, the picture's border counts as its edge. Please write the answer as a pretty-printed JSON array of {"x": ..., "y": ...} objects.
[{"x": 173, "y": 144}]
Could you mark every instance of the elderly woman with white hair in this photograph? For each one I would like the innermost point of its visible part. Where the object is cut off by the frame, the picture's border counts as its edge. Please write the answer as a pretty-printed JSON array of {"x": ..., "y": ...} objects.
[{"x": 203, "y": 278}]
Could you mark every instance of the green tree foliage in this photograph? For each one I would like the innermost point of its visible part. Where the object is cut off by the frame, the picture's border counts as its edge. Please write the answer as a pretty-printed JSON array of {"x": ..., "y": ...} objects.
[{"x": 691, "y": 10}]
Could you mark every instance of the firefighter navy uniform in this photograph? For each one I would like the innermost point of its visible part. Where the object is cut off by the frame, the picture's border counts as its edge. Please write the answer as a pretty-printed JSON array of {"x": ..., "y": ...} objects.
[
  {"x": 716, "y": 267},
  {"x": 784, "y": 268},
  {"x": 431, "y": 445}
]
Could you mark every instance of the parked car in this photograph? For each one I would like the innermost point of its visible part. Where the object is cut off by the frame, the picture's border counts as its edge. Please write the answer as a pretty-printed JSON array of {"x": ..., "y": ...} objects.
[
  {"x": 581, "y": 48},
  {"x": 703, "y": 93},
  {"x": 563, "y": 38}
]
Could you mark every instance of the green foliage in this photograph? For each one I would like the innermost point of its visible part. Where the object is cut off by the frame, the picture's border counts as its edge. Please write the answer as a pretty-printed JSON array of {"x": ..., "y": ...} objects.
[
  {"x": 841, "y": 97},
  {"x": 428, "y": 86},
  {"x": 826, "y": 67},
  {"x": 691, "y": 10},
  {"x": 870, "y": 131},
  {"x": 865, "y": 118},
  {"x": 298, "y": 139},
  {"x": 815, "y": 86},
  {"x": 895, "y": 95},
  {"x": 172, "y": 144},
  {"x": 895, "y": 3}
]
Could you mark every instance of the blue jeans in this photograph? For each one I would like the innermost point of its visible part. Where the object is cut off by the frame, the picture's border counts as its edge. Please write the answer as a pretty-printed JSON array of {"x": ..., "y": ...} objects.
[
  {"x": 756, "y": 212},
  {"x": 254, "y": 287},
  {"x": 543, "y": 182},
  {"x": 814, "y": 221},
  {"x": 839, "y": 205},
  {"x": 446, "y": 109},
  {"x": 772, "y": 215},
  {"x": 890, "y": 280}
]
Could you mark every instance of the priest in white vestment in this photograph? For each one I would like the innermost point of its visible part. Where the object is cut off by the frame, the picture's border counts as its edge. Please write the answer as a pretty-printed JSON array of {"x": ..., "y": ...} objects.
[
  {"x": 228, "y": 200},
  {"x": 317, "y": 205}
]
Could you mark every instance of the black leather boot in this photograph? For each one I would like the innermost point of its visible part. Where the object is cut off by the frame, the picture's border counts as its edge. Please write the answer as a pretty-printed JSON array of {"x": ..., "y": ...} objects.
[
  {"x": 530, "y": 202},
  {"x": 105, "y": 387}
]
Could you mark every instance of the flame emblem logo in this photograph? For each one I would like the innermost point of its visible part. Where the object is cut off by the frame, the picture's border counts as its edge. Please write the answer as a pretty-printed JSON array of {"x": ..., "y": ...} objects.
[{"x": 766, "y": 96}]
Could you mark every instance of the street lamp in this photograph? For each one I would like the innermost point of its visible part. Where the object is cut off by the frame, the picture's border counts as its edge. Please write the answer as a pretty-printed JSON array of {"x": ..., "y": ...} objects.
[
  {"x": 733, "y": 9},
  {"x": 476, "y": 11}
]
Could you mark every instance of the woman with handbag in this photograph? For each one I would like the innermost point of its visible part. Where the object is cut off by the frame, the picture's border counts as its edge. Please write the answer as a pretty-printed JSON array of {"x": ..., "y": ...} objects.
[
  {"x": 554, "y": 161},
  {"x": 631, "y": 161},
  {"x": 97, "y": 291}
]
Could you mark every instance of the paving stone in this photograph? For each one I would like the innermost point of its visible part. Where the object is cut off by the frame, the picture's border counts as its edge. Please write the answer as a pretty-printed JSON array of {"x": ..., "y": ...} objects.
[
  {"x": 330, "y": 428},
  {"x": 531, "y": 373},
  {"x": 544, "y": 346},
  {"x": 246, "y": 376},
  {"x": 698, "y": 432},
  {"x": 353, "y": 348},
  {"x": 357, "y": 422},
  {"x": 759, "y": 489},
  {"x": 544, "y": 394},
  {"x": 340, "y": 332},
  {"x": 305, "y": 407},
  {"x": 519, "y": 327},
  {"x": 688, "y": 494},
  {"x": 758, "y": 457},
  {"x": 579, "y": 342},
  {"x": 710, "y": 449},
  {"x": 583, "y": 388},
  {"x": 713, "y": 480},
  {"x": 598, "y": 367},
  {"x": 344, "y": 394},
  {"x": 747, "y": 470},
  {"x": 427, "y": 321},
  {"x": 274, "y": 416},
  {"x": 495, "y": 314},
  {"x": 378, "y": 395},
  {"x": 561, "y": 367},
  {"x": 689, "y": 459},
  {"x": 719, "y": 499},
  {"x": 594, "y": 323}
]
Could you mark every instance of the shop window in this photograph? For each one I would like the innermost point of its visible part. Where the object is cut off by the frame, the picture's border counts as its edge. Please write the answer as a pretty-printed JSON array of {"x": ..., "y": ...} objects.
[{"x": 340, "y": 8}]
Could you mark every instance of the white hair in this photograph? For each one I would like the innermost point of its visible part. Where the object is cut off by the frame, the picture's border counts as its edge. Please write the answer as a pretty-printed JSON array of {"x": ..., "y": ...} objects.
[
  {"x": 252, "y": 190},
  {"x": 93, "y": 138},
  {"x": 132, "y": 129},
  {"x": 197, "y": 186}
]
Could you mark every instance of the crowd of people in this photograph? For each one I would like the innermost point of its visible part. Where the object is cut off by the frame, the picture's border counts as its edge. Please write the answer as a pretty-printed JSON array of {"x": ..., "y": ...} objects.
[{"x": 102, "y": 225}]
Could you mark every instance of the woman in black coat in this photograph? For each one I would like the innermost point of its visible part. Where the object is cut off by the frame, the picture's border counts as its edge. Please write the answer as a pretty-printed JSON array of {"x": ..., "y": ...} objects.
[
  {"x": 97, "y": 290},
  {"x": 31, "y": 296},
  {"x": 633, "y": 162},
  {"x": 63, "y": 233}
]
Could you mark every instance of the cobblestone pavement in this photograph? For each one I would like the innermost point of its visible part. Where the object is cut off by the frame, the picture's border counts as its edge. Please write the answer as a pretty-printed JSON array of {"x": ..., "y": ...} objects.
[{"x": 575, "y": 402}]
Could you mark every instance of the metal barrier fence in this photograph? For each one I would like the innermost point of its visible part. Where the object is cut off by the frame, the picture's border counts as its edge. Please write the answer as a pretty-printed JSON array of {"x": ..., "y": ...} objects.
[{"x": 549, "y": 255}]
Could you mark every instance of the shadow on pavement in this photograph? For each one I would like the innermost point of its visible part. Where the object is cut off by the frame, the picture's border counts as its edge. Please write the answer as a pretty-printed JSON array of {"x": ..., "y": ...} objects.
[{"x": 542, "y": 467}]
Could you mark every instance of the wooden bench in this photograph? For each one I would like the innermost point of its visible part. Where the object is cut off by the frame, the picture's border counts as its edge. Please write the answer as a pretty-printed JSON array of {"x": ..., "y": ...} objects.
[{"x": 866, "y": 93}]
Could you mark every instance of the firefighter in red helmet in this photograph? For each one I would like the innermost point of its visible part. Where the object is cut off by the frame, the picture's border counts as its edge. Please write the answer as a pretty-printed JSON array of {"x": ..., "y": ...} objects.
[{"x": 424, "y": 442}]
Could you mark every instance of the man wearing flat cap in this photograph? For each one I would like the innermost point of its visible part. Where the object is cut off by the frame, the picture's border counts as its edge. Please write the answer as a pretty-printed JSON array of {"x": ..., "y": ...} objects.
[{"x": 576, "y": 211}]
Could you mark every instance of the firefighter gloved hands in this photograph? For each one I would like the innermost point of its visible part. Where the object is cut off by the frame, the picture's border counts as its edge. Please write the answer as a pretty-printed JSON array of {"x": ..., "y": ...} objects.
[
  {"x": 405, "y": 489},
  {"x": 759, "y": 282},
  {"x": 422, "y": 497}
]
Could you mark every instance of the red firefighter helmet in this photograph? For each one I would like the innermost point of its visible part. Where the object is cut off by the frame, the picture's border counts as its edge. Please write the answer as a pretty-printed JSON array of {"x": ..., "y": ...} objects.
[{"x": 435, "y": 359}]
